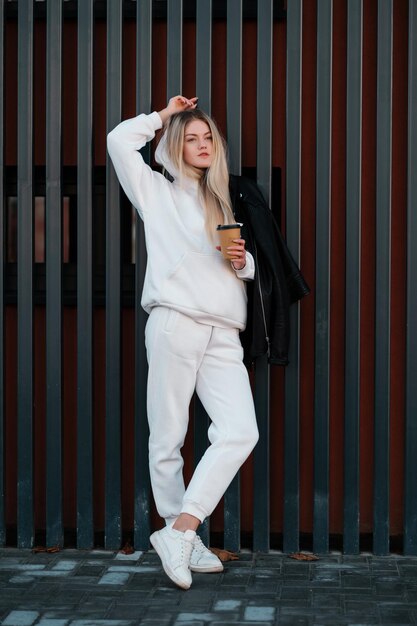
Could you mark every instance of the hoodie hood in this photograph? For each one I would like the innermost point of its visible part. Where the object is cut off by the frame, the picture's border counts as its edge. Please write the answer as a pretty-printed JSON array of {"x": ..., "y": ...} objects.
[{"x": 162, "y": 158}]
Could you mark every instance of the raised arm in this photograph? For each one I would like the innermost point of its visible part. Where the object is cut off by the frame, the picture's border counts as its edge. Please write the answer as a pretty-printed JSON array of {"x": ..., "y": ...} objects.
[{"x": 125, "y": 140}]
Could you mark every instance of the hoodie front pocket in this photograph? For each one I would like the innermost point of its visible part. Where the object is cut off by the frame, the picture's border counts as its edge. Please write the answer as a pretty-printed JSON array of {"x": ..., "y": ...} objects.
[{"x": 206, "y": 283}]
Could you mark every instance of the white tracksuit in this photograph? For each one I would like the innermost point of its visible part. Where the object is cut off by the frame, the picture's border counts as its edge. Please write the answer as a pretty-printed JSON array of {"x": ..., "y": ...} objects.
[{"x": 197, "y": 305}]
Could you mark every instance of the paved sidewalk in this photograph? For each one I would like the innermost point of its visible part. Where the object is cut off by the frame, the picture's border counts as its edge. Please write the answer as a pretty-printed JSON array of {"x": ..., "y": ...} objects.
[{"x": 102, "y": 588}]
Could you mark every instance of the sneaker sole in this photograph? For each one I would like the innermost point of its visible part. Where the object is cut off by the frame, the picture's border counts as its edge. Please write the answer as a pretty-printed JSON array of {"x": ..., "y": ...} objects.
[
  {"x": 207, "y": 570},
  {"x": 157, "y": 544}
]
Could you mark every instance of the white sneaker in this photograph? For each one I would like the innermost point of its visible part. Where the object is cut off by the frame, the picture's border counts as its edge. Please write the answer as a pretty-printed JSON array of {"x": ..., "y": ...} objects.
[
  {"x": 203, "y": 560},
  {"x": 174, "y": 549}
]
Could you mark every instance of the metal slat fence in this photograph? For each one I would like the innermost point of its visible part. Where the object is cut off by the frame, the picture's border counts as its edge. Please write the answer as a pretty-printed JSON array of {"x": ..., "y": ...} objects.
[{"x": 209, "y": 75}]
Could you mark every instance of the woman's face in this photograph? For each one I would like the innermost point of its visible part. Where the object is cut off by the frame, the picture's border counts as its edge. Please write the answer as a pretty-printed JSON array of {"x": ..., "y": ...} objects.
[{"x": 198, "y": 144}]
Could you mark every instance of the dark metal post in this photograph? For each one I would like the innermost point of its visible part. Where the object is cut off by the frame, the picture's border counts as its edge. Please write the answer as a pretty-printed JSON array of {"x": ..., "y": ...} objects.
[
  {"x": 234, "y": 131},
  {"x": 410, "y": 495},
  {"x": 85, "y": 531},
  {"x": 25, "y": 531},
  {"x": 113, "y": 527},
  {"x": 323, "y": 217},
  {"x": 204, "y": 52},
  {"x": 54, "y": 529},
  {"x": 203, "y": 91},
  {"x": 293, "y": 208},
  {"x": 383, "y": 278},
  {"x": 261, "y": 493},
  {"x": 353, "y": 276},
  {"x": 2, "y": 263},
  {"x": 142, "y": 525},
  {"x": 174, "y": 48}
]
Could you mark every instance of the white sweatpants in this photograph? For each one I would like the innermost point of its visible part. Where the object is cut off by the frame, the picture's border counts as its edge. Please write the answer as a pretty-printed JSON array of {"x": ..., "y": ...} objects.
[{"x": 184, "y": 355}]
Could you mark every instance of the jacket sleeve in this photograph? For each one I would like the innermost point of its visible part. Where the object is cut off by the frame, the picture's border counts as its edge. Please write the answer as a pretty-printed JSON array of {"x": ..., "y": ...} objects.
[
  {"x": 135, "y": 176},
  {"x": 296, "y": 283}
]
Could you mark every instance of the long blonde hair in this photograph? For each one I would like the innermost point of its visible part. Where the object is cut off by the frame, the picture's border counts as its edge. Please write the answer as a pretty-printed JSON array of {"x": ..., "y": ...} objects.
[{"x": 214, "y": 180}]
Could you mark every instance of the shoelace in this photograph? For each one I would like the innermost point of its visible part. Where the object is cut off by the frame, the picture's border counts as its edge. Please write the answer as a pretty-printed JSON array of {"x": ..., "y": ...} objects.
[
  {"x": 186, "y": 550},
  {"x": 199, "y": 545}
]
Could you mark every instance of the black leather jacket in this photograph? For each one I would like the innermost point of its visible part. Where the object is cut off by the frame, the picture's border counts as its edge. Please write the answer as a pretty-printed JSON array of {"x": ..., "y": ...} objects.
[{"x": 278, "y": 281}]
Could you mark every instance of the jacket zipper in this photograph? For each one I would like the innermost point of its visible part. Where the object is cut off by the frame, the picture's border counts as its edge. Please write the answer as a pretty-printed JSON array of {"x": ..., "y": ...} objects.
[{"x": 262, "y": 300}]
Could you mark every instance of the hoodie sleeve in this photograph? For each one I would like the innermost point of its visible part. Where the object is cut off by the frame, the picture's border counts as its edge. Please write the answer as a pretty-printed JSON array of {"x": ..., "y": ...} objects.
[
  {"x": 247, "y": 272},
  {"x": 135, "y": 176}
]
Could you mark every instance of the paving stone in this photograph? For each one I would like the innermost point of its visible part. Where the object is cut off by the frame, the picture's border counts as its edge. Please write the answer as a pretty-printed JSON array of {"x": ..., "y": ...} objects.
[
  {"x": 294, "y": 621},
  {"x": 395, "y": 616},
  {"x": 259, "y": 613},
  {"x": 135, "y": 556},
  {"x": 363, "y": 608},
  {"x": 326, "y": 599},
  {"x": 127, "y": 611},
  {"x": 65, "y": 565},
  {"x": 45, "y": 621},
  {"x": 227, "y": 605},
  {"x": 154, "y": 622},
  {"x": 189, "y": 623},
  {"x": 21, "y": 618},
  {"x": 195, "y": 616},
  {"x": 293, "y": 593},
  {"x": 114, "y": 578},
  {"x": 245, "y": 623},
  {"x": 138, "y": 597},
  {"x": 101, "y": 622}
]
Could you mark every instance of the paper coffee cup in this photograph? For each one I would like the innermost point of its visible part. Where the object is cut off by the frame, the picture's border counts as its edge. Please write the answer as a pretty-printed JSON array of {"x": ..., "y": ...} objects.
[{"x": 227, "y": 233}]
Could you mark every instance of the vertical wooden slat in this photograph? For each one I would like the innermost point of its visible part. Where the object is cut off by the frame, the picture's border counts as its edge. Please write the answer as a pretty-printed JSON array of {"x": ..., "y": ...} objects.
[
  {"x": 24, "y": 276},
  {"x": 353, "y": 276},
  {"x": 113, "y": 286},
  {"x": 261, "y": 493},
  {"x": 54, "y": 529},
  {"x": 85, "y": 531},
  {"x": 174, "y": 48},
  {"x": 410, "y": 521},
  {"x": 383, "y": 278},
  {"x": 2, "y": 262},
  {"x": 293, "y": 207},
  {"x": 234, "y": 128},
  {"x": 142, "y": 525},
  {"x": 203, "y": 91},
  {"x": 322, "y": 347}
]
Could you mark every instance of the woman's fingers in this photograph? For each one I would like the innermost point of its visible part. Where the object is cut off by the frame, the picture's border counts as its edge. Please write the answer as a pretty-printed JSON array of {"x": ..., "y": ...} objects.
[
  {"x": 238, "y": 248},
  {"x": 184, "y": 103}
]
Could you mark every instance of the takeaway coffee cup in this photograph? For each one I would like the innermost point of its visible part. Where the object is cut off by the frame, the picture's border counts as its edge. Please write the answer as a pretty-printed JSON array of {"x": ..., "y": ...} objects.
[{"x": 227, "y": 233}]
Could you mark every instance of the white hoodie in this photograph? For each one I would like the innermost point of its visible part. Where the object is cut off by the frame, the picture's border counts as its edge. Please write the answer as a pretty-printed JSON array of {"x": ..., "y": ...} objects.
[{"x": 184, "y": 270}]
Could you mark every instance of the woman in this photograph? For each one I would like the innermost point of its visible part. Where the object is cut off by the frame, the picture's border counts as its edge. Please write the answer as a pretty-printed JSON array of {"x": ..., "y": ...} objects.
[{"x": 196, "y": 302}]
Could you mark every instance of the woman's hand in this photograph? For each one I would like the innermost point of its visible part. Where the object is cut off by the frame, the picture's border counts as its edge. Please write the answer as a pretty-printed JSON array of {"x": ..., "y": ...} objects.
[
  {"x": 238, "y": 253},
  {"x": 176, "y": 105}
]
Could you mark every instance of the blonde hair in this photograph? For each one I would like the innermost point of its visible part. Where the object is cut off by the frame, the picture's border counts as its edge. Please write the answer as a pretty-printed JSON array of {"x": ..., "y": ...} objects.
[{"x": 214, "y": 180}]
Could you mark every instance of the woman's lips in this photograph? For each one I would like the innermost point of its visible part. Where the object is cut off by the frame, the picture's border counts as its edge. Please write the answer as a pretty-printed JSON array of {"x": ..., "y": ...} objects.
[{"x": 203, "y": 154}]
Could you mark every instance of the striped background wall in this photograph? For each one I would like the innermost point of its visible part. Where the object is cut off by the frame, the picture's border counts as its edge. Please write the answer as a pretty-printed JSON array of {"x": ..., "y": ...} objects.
[{"x": 318, "y": 95}]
